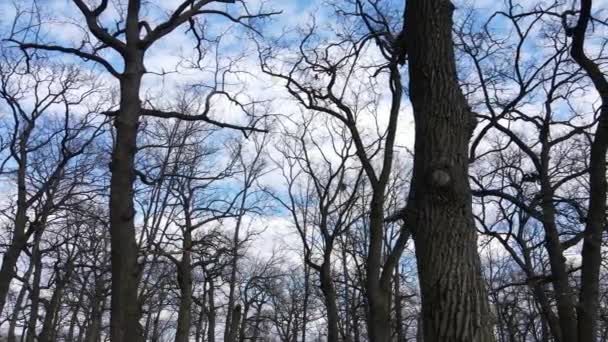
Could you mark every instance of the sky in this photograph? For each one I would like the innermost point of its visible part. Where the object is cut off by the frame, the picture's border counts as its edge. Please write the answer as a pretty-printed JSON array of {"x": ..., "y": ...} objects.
[{"x": 62, "y": 26}]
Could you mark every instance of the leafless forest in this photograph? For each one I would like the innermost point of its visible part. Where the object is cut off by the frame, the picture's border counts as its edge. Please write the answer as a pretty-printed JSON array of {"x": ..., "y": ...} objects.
[{"x": 303, "y": 170}]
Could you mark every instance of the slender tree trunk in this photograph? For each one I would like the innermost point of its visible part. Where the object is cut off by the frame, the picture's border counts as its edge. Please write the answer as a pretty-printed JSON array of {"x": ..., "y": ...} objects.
[
  {"x": 564, "y": 296},
  {"x": 35, "y": 293},
  {"x": 148, "y": 324},
  {"x": 234, "y": 264},
  {"x": 199, "y": 326},
  {"x": 10, "y": 257},
  {"x": 348, "y": 300},
  {"x": 378, "y": 292},
  {"x": 97, "y": 303},
  {"x": 81, "y": 331},
  {"x": 15, "y": 316},
  {"x": 329, "y": 295},
  {"x": 306, "y": 299},
  {"x": 74, "y": 318},
  {"x": 18, "y": 303},
  {"x": 19, "y": 239},
  {"x": 398, "y": 308},
  {"x": 244, "y": 323},
  {"x": 256, "y": 327},
  {"x": 47, "y": 334},
  {"x": 454, "y": 302},
  {"x": 211, "y": 312},
  {"x": 184, "y": 316},
  {"x": 9, "y": 260},
  {"x": 156, "y": 327}
]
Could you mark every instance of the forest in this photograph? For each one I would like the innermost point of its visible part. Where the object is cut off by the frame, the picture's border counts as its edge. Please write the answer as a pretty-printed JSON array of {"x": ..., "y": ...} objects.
[{"x": 303, "y": 170}]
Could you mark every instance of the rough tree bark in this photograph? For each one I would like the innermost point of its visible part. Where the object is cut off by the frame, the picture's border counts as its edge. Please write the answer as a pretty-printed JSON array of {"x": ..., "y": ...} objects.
[
  {"x": 596, "y": 217},
  {"x": 124, "y": 321},
  {"x": 454, "y": 301}
]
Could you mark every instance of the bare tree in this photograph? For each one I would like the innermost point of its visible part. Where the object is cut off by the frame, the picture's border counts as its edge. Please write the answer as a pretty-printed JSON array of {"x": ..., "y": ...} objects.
[
  {"x": 321, "y": 198},
  {"x": 439, "y": 210},
  {"x": 49, "y": 131},
  {"x": 131, "y": 38}
]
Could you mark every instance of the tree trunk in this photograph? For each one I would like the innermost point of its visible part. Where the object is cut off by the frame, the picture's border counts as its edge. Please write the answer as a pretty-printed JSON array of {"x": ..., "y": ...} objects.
[
  {"x": 378, "y": 292},
  {"x": 52, "y": 311},
  {"x": 234, "y": 264},
  {"x": 596, "y": 221},
  {"x": 244, "y": 323},
  {"x": 235, "y": 324},
  {"x": 10, "y": 257},
  {"x": 199, "y": 326},
  {"x": 19, "y": 238},
  {"x": 18, "y": 303},
  {"x": 564, "y": 297},
  {"x": 211, "y": 312},
  {"x": 156, "y": 326},
  {"x": 306, "y": 298},
  {"x": 398, "y": 308},
  {"x": 124, "y": 322},
  {"x": 74, "y": 318},
  {"x": 47, "y": 334},
  {"x": 35, "y": 293},
  {"x": 454, "y": 301},
  {"x": 97, "y": 304},
  {"x": 596, "y": 215},
  {"x": 329, "y": 295},
  {"x": 184, "y": 316}
]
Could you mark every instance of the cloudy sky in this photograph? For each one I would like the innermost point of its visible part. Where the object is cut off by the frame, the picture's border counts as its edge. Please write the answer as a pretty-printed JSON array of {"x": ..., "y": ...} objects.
[{"x": 170, "y": 61}]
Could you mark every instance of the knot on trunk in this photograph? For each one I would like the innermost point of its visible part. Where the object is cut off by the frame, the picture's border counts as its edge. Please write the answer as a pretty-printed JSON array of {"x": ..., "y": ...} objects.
[{"x": 440, "y": 178}]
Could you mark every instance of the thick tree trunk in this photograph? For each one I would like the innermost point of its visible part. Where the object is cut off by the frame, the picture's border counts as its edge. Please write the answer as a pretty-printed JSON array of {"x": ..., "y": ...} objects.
[
  {"x": 454, "y": 301},
  {"x": 596, "y": 215},
  {"x": 596, "y": 221},
  {"x": 124, "y": 322}
]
